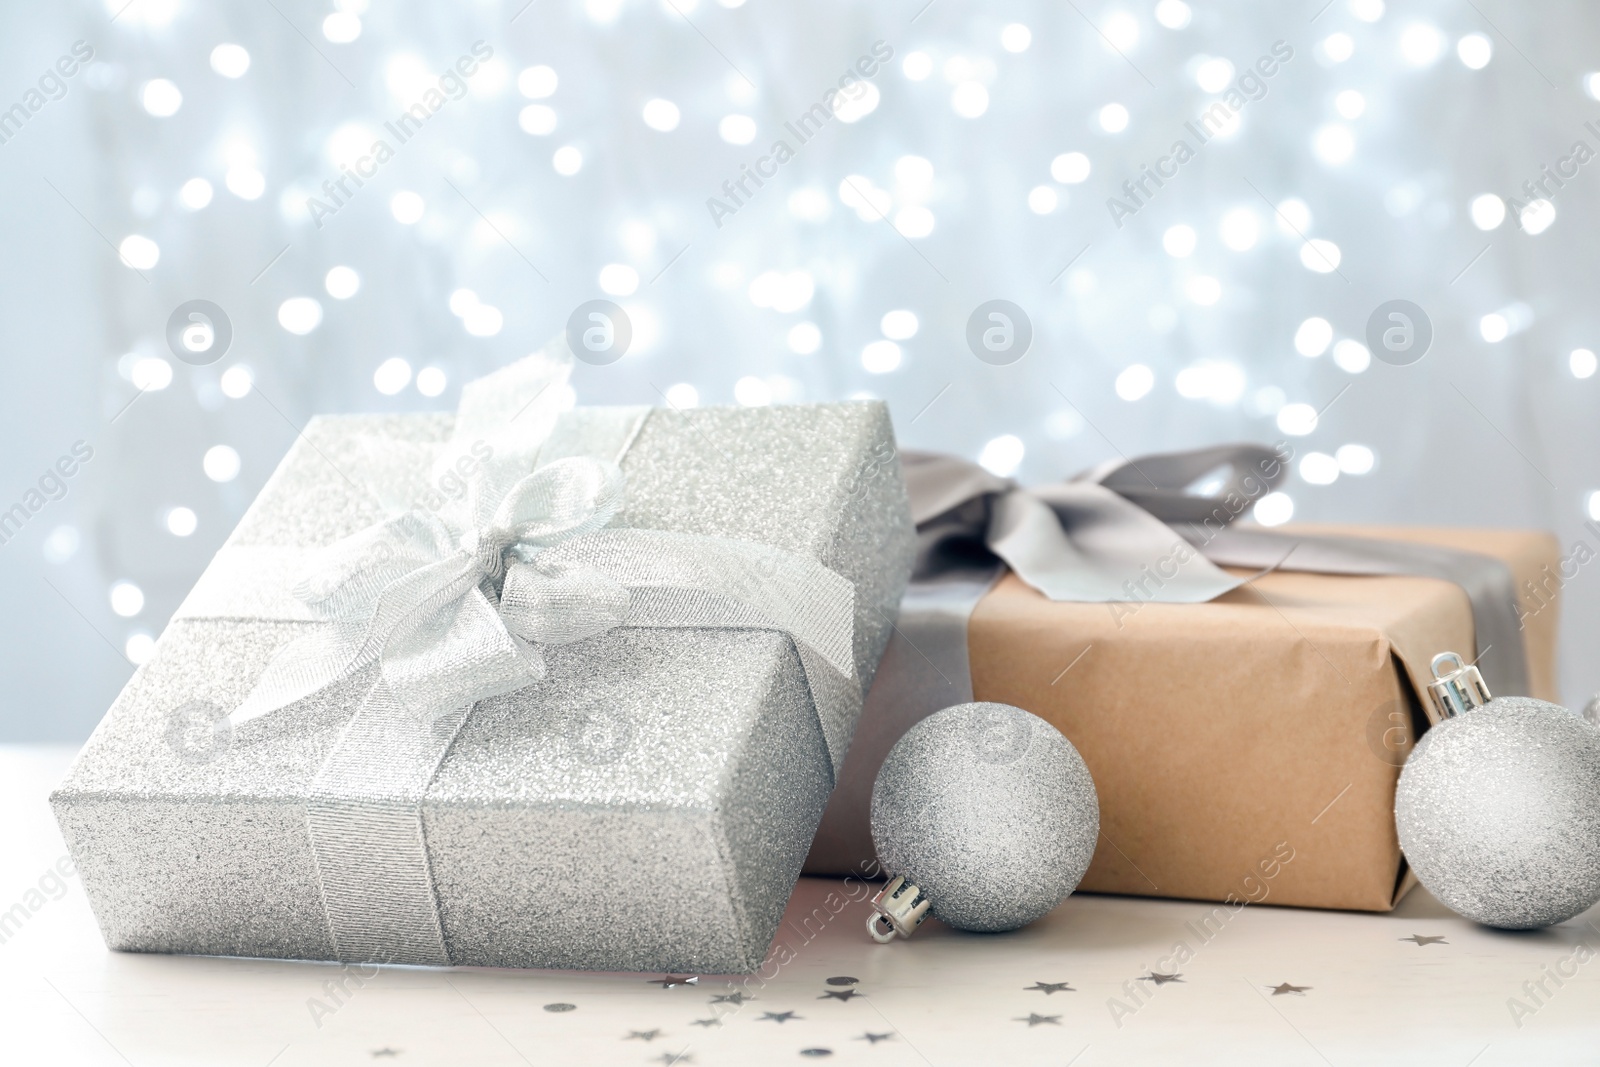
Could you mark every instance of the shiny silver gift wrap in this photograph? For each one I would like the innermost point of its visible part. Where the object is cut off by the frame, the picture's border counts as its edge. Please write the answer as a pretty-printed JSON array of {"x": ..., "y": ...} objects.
[{"x": 646, "y": 808}]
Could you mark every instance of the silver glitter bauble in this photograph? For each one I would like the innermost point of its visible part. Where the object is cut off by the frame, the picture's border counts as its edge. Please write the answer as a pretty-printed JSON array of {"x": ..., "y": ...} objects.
[
  {"x": 1498, "y": 812},
  {"x": 989, "y": 812}
]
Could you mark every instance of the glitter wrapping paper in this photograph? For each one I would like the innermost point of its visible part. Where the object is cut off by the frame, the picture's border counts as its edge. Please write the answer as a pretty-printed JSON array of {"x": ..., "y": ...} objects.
[{"x": 647, "y": 807}]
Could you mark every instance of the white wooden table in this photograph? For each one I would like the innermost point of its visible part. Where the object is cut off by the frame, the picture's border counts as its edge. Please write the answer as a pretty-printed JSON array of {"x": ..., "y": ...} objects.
[{"x": 1275, "y": 986}]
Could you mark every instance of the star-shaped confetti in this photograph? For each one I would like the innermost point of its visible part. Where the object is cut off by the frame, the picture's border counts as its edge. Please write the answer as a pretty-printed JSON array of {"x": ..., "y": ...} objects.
[
  {"x": 731, "y": 998},
  {"x": 377, "y": 1052},
  {"x": 672, "y": 980},
  {"x": 842, "y": 979},
  {"x": 708, "y": 1023},
  {"x": 1160, "y": 979},
  {"x": 839, "y": 994},
  {"x": 670, "y": 1058},
  {"x": 777, "y": 1016},
  {"x": 1034, "y": 1019},
  {"x": 642, "y": 1035},
  {"x": 872, "y": 1039},
  {"x": 1050, "y": 987},
  {"x": 1425, "y": 939},
  {"x": 1284, "y": 987}
]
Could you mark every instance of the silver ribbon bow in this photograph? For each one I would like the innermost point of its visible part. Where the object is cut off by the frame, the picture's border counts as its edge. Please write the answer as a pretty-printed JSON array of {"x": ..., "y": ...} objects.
[{"x": 453, "y": 606}]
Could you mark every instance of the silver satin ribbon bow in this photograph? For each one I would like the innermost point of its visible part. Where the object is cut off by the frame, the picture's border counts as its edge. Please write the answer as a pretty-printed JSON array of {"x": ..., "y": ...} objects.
[{"x": 453, "y": 607}]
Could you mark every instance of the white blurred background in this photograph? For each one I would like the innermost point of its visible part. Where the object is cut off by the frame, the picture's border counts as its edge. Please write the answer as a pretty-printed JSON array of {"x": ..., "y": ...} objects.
[{"x": 1385, "y": 158}]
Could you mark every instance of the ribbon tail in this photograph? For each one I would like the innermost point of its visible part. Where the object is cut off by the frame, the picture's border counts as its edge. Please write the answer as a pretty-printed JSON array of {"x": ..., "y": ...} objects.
[
  {"x": 305, "y": 666},
  {"x": 1090, "y": 544}
]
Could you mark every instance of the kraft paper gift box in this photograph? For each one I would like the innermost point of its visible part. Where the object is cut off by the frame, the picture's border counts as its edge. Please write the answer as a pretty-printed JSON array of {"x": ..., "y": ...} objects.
[
  {"x": 645, "y": 807},
  {"x": 1224, "y": 736}
]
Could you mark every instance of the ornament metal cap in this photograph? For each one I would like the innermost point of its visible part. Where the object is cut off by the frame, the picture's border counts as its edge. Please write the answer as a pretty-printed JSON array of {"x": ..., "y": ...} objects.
[
  {"x": 899, "y": 908},
  {"x": 1458, "y": 690}
]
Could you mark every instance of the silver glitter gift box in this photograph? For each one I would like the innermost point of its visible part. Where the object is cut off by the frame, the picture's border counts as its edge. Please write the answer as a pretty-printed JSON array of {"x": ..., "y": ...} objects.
[{"x": 646, "y": 807}]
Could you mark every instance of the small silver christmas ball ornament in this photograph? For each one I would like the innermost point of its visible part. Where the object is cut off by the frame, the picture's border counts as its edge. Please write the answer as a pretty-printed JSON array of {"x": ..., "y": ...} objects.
[
  {"x": 1498, "y": 808},
  {"x": 984, "y": 816}
]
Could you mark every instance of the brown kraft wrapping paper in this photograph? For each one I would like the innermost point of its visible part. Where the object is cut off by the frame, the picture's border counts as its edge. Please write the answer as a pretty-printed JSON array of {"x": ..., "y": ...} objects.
[{"x": 1225, "y": 736}]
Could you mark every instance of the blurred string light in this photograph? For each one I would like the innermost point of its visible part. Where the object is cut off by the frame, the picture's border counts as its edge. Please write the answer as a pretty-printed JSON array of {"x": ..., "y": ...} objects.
[
  {"x": 61, "y": 544},
  {"x": 392, "y": 376},
  {"x": 567, "y": 161},
  {"x": 1537, "y": 216},
  {"x": 1367, "y": 10},
  {"x": 1297, "y": 420},
  {"x": 1293, "y": 217},
  {"x": 431, "y": 381},
  {"x": 1488, "y": 211},
  {"x": 1351, "y": 356},
  {"x": 1421, "y": 44},
  {"x": 127, "y": 599},
  {"x": 407, "y": 207},
  {"x": 230, "y": 60},
  {"x": 917, "y": 66},
  {"x": 1350, "y": 104},
  {"x": 1070, "y": 168},
  {"x": 537, "y": 83},
  {"x": 181, "y": 521},
  {"x": 1203, "y": 289},
  {"x": 1475, "y": 50},
  {"x": 1121, "y": 31},
  {"x": 139, "y": 252},
  {"x": 1333, "y": 144},
  {"x": 1213, "y": 73},
  {"x": 881, "y": 357},
  {"x": 804, "y": 338},
  {"x": 737, "y": 129},
  {"x": 236, "y": 382},
  {"x": 1001, "y": 456},
  {"x": 537, "y": 119},
  {"x": 1274, "y": 509},
  {"x": 1015, "y": 37},
  {"x": 195, "y": 194},
  {"x": 618, "y": 279},
  {"x": 1179, "y": 241},
  {"x": 220, "y": 463},
  {"x": 969, "y": 99},
  {"x": 1355, "y": 459},
  {"x": 899, "y": 325},
  {"x": 161, "y": 98},
  {"x": 1335, "y": 48},
  {"x": 1218, "y": 381},
  {"x": 151, "y": 374},
  {"x": 342, "y": 27},
  {"x": 1320, "y": 255},
  {"x": 300, "y": 315},
  {"x": 1239, "y": 229},
  {"x": 1313, "y": 337},
  {"x": 1582, "y": 363},
  {"x": 752, "y": 392},
  {"x": 682, "y": 395},
  {"x": 1113, "y": 118},
  {"x": 342, "y": 282},
  {"x": 661, "y": 115},
  {"x": 782, "y": 292},
  {"x": 1319, "y": 468},
  {"x": 1135, "y": 382},
  {"x": 1173, "y": 14},
  {"x": 1042, "y": 200}
]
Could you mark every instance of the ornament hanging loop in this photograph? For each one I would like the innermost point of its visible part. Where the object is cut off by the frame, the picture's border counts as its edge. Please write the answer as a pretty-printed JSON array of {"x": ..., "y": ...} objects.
[
  {"x": 898, "y": 909},
  {"x": 1457, "y": 687}
]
